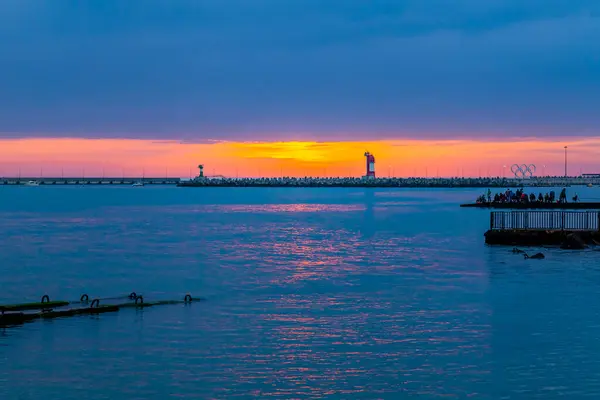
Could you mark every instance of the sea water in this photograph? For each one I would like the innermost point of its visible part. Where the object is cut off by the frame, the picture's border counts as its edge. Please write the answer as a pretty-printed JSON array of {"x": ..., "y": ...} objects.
[{"x": 310, "y": 293}]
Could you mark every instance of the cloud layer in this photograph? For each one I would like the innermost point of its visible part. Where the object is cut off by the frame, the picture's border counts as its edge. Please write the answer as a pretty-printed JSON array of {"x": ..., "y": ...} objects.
[{"x": 299, "y": 69}]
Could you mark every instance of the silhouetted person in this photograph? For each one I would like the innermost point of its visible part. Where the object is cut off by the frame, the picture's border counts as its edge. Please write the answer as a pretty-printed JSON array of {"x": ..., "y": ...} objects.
[{"x": 563, "y": 196}]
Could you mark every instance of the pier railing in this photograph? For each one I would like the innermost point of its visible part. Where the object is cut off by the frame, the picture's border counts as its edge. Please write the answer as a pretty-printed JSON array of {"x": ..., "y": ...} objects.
[{"x": 545, "y": 220}]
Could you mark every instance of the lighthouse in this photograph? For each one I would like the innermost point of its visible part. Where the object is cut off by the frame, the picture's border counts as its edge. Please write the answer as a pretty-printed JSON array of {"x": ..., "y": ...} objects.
[{"x": 370, "y": 165}]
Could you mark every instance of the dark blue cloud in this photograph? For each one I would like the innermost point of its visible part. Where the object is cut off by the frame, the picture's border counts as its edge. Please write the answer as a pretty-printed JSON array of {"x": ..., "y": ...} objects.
[{"x": 265, "y": 69}]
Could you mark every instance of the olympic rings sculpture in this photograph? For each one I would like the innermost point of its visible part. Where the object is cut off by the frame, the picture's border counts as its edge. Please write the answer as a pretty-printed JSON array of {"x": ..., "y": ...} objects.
[{"x": 523, "y": 171}]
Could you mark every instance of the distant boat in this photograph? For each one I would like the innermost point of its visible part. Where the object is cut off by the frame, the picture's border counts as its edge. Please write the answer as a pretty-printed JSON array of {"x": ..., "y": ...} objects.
[
  {"x": 32, "y": 183},
  {"x": 140, "y": 183}
]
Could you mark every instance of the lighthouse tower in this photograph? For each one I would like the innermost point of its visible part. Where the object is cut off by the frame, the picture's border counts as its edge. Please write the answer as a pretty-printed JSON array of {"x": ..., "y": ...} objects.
[{"x": 370, "y": 165}]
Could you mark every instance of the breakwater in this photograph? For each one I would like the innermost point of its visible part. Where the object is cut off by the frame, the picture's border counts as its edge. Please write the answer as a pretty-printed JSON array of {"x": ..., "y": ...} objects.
[
  {"x": 89, "y": 181},
  {"x": 389, "y": 182},
  {"x": 315, "y": 182}
]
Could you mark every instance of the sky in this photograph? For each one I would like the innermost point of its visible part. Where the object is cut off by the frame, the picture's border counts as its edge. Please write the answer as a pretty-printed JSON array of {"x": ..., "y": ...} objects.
[
  {"x": 55, "y": 157},
  {"x": 206, "y": 75}
]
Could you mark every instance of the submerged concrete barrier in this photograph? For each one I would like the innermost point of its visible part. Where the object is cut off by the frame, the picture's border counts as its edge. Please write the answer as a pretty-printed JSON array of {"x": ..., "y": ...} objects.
[{"x": 15, "y": 314}]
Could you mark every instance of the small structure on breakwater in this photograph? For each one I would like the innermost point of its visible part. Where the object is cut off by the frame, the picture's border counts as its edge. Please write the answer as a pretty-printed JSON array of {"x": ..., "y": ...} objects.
[{"x": 568, "y": 229}]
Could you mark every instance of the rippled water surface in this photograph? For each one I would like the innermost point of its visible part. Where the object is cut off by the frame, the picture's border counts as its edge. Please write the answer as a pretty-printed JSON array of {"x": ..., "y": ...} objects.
[{"x": 310, "y": 293}]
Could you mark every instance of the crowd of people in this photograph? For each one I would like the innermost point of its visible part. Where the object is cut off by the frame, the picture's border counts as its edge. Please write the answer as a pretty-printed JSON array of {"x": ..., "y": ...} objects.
[{"x": 519, "y": 196}]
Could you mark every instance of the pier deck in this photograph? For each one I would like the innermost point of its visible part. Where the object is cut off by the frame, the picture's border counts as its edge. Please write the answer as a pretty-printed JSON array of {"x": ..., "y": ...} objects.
[{"x": 537, "y": 206}]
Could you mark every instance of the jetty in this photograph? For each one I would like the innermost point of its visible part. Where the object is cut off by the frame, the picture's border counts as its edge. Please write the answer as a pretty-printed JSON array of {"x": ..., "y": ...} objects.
[
  {"x": 88, "y": 181},
  {"x": 18, "y": 314},
  {"x": 537, "y": 205},
  {"x": 308, "y": 182},
  {"x": 389, "y": 182},
  {"x": 568, "y": 229}
]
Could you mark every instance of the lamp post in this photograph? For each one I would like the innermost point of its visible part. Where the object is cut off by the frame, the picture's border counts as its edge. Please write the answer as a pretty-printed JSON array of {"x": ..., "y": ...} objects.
[{"x": 565, "y": 161}]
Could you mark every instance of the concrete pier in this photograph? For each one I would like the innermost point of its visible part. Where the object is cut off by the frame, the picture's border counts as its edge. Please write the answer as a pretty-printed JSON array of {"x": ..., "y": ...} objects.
[
  {"x": 567, "y": 229},
  {"x": 539, "y": 237},
  {"x": 17, "y": 314}
]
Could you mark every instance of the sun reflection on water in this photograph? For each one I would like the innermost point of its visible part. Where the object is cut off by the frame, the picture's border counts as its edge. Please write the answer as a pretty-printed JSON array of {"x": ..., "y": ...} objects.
[{"x": 307, "y": 300}]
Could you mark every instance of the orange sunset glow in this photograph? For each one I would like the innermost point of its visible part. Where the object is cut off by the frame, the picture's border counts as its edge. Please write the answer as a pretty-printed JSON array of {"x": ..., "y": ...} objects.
[{"x": 117, "y": 157}]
